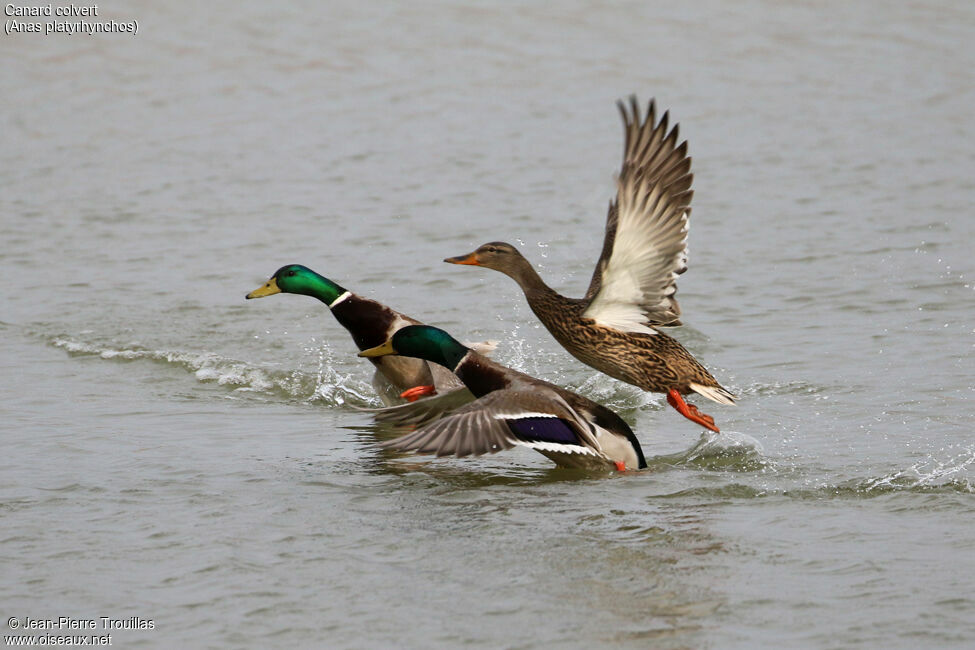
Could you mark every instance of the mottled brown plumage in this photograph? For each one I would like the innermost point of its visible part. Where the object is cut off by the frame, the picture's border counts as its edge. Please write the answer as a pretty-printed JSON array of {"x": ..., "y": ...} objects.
[{"x": 614, "y": 327}]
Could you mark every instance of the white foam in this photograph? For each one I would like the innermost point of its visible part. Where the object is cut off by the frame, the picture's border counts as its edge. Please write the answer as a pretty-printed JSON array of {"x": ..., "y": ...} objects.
[{"x": 326, "y": 385}]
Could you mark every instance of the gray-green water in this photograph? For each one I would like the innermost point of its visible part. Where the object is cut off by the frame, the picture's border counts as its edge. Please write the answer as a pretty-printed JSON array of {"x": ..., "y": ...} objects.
[{"x": 174, "y": 453}]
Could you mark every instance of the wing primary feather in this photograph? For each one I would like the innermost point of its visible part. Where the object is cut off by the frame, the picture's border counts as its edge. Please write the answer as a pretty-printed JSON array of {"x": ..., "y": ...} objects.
[
  {"x": 427, "y": 443},
  {"x": 470, "y": 431},
  {"x": 443, "y": 446},
  {"x": 645, "y": 245}
]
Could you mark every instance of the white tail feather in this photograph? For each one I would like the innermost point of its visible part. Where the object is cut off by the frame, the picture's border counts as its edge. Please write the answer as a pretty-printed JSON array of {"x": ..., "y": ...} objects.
[
  {"x": 714, "y": 393},
  {"x": 482, "y": 347}
]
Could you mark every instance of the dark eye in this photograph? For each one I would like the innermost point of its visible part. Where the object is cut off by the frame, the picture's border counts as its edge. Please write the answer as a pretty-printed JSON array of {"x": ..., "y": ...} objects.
[{"x": 291, "y": 274}]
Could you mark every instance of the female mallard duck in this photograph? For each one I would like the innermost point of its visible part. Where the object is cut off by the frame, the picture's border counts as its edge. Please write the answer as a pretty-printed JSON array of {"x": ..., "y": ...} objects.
[
  {"x": 512, "y": 409},
  {"x": 613, "y": 328},
  {"x": 370, "y": 323}
]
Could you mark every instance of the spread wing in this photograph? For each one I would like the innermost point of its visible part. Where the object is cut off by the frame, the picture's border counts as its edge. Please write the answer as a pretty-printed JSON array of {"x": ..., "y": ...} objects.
[
  {"x": 502, "y": 420},
  {"x": 423, "y": 410},
  {"x": 645, "y": 248}
]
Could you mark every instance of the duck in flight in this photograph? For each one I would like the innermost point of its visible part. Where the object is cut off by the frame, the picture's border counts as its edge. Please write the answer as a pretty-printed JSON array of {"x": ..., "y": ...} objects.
[
  {"x": 511, "y": 409},
  {"x": 615, "y": 327}
]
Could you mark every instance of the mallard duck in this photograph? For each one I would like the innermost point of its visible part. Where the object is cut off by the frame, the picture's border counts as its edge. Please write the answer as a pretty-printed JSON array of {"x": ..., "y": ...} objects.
[
  {"x": 615, "y": 327},
  {"x": 512, "y": 409},
  {"x": 370, "y": 323}
]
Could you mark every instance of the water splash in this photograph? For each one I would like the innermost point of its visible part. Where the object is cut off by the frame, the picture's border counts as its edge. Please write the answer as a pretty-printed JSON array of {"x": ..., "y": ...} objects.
[
  {"x": 727, "y": 450},
  {"x": 925, "y": 473},
  {"x": 325, "y": 385},
  {"x": 332, "y": 387},
  {"x": 615, "y": 394}
]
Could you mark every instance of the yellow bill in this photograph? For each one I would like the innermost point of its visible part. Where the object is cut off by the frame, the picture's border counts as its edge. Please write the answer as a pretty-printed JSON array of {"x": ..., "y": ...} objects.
[
  {"x": 379, "y": 350},
  {"x": 268, "y": 289}
]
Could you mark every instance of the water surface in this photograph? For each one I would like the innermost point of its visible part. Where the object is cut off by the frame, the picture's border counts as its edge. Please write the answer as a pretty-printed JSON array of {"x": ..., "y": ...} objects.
[{"x": 173, "y": 452}]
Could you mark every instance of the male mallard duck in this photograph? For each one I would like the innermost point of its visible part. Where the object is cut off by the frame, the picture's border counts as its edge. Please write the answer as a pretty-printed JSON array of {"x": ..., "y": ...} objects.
[
  {"x": 613, "y": 328},
  {"x": 370, "y": 323},
  {"x": 512, "y": 409}
]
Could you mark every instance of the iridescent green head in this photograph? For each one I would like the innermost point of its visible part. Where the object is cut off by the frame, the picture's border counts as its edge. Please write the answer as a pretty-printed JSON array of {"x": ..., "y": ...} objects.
[
  {"x": 295, "y": 278},
  {"x": 422, "y": 342}
]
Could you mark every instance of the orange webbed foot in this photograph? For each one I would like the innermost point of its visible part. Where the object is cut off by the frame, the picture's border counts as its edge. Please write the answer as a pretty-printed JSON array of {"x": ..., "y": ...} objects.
[
  {"x": 690, "y": 411},
  {"x": 415, "y": 393}
]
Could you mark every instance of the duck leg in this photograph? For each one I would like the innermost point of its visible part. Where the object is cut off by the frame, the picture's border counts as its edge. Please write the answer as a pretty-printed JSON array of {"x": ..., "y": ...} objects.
[
  {"x": 690, "y": 411},
  {"x": 415, "y": 393}
]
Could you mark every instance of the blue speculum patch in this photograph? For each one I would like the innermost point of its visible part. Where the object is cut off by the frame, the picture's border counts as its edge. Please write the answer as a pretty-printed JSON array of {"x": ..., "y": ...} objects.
[{"x": 543, "y": 430}]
